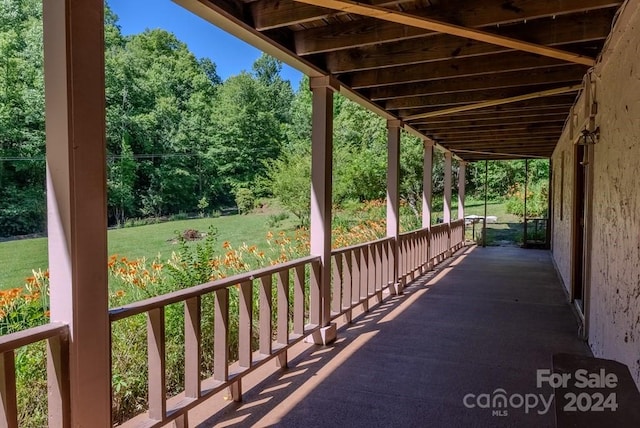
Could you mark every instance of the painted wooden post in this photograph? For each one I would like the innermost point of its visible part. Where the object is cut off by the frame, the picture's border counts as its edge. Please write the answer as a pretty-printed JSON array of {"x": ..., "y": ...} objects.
[
  {"x": 447, "y": 188},
  {"x": 427, "y": 184},
  {"x": 76, "y": 198},
  {"x": 447, "y": 198},
  {"x": 461, "y": 188},
  {"x": 393, "y": 198},
  {"x": 462, "y": 171},
  {"x": 321, "y": 187}
]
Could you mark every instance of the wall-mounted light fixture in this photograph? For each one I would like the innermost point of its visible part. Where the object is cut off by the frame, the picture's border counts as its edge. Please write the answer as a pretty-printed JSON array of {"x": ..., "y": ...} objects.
[{"x": 588, "y": 137}]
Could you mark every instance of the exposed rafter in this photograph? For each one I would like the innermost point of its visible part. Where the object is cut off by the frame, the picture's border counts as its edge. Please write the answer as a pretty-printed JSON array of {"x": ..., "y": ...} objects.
[
  {"x": 498, "y": 81},
  {"x": 446, "y": 28},
  {"x": 337, "y": 35},
  {"x": 488, "y": 79},
  {"x": 562, "y": 32},
  {"x": 540, "y": 94},
  {"x": 510, "y": 155}
]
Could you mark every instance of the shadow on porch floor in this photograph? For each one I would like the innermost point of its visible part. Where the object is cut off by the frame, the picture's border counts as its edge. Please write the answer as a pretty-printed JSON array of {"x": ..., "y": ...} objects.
[{"x": 486, "y": 319}]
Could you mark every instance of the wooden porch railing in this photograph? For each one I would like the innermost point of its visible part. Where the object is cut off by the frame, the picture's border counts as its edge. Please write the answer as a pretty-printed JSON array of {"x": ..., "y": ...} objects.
[
  {"x": 457, "y": 234},
  {"x": 359, "y": 273},
  {"x": 226, "y": 373},
  {"x": 56, "y": 335}
]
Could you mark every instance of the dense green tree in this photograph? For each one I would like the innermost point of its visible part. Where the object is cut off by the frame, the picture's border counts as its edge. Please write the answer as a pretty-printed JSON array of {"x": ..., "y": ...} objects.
[
  {"x": 250, "y": 115},
  {"x": 160, "y": 100},
  {"x": 22, "y": 203}
]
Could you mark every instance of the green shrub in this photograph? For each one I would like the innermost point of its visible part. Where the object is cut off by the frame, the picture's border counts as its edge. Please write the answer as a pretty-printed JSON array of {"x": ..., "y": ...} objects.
[
  {"x": 246, "y": 200},
  {"x": 180, "y": 216},
  {"x": 537, "y": 200},
  {"x": 274, "y": 220}
]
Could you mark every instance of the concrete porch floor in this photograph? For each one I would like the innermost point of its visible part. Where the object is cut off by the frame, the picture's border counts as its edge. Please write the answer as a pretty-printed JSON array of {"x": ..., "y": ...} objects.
[{"x": 486, "y": 319}]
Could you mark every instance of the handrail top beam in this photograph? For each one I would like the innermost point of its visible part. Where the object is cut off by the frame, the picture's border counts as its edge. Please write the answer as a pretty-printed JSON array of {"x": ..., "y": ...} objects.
[
  {"x": 13, "y": 341},
  {"x": 343, "y": 250},
  {"x": 143, "y": 306}
]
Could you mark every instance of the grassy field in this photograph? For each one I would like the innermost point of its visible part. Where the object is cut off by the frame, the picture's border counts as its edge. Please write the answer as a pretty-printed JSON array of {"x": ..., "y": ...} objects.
[
  {"x": 18, "y": 258},
  {"x": 508, "y": 228}
]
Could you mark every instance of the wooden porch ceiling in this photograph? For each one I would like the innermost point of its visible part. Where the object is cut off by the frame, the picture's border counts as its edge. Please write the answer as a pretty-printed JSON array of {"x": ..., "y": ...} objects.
[{"x": 388, "y": 56}]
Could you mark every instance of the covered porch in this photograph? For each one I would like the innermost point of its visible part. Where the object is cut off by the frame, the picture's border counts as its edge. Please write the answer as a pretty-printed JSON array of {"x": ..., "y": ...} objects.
[
  {"x": 486, "y": 319},
  {"x": 340, "y": 321}
]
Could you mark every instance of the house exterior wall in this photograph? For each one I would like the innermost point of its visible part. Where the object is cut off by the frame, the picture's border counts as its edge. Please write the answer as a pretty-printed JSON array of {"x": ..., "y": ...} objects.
[
  {"x": 613, "y": 269},
  {"x": 562, "y": 180}
]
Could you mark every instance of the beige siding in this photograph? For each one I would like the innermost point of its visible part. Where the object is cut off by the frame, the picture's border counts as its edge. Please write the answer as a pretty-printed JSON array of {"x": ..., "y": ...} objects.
[{"x": 614, "y": 304}]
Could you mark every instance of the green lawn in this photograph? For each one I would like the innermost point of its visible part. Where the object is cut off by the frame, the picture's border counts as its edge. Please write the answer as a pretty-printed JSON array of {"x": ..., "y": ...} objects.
[
  {"x": 18, "y": 258},
  {"x": 507, "y": 229}
]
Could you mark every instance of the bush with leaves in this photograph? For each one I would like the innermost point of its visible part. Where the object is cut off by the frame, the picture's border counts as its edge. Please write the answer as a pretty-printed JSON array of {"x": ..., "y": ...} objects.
[
  {"x": 537, "y": 200},
  {"x": 245, "y": 200}
]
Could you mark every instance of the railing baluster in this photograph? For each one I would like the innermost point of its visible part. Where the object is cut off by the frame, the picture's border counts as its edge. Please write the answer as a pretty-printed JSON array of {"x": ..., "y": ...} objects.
[
  {"x": 283, "y": 307},
  {"x": 315, "y": 301},
  {"x": 347, "y": 272},
  {"x": 379, "y": 270},
  {"x": 384, "y": 260},
  {"x": 402, "y": 265},
  {"x": 412, "y": 254},
  {"x": 245, "y": 323},
  {"x": 355, "y": 276},
  {"x": 156, "y": 361},
  {"x": 371, "y": 281},
  {"x": 364, "y": 277},
  {"x": 58, "y": 381},
  {"x": 298, "y": 300},
  {"x": 336, "y": 295},
  {"x": 221, "y": 336},
  {"x": 416, "y": 254},
  {"x": 283, "y": 315},
  {"x": 192, "y": 347},
  {"x": 9, "y": 407},
  {"x": 266, "y": 329}
]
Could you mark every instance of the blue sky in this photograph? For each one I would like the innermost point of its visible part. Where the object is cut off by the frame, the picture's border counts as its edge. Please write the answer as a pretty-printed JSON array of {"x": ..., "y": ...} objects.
[{"x": 231, "y": 55}]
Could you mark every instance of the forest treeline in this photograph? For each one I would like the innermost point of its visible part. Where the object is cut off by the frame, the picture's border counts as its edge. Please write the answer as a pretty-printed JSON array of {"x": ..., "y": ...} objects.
[{"x": 182, "y": 140}]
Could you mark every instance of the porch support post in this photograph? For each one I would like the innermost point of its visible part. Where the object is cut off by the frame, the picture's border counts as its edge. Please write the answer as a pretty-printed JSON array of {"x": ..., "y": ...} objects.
[
  {"x": 393, "y": 199},
  {"x": 447, "y": 188},
  {"x": 76, "y": 207},
  {"x": 427, "y": 184},
  {"x": 321, "y": 189},
  {"x": 461, "y": 184},
  {"x": 447, "y": 198}
]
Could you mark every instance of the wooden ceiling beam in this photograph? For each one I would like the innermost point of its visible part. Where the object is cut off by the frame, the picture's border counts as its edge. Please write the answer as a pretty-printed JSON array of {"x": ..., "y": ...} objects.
[
  {"x": 512, "y": 79},
  {"x": 461, "y": 98},
  {"x": 550, "y": 32},
  {"x": 457, "y": 68},
  {"x": 543, "y": 139},
  {"x": 513, "y": 119},
  {"x": 525, "y": 107},
  {"x": 520, "y": 146},
  {"x": 476, "y": 155},
  {"x": 496, "y": 129},
  {"x": 271, "y": 14},
  {"x": 488, "y": 13},
  {"x": 532, "y": 147},
  {"x": 429, "y": 24},
  {"x": 492, "y": 103},
  {"x": 499, "y": 136}
]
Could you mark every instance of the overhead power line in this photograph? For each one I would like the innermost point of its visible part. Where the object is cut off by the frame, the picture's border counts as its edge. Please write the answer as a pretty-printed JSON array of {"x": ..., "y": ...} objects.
[{"x": 109, "y": 157}]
